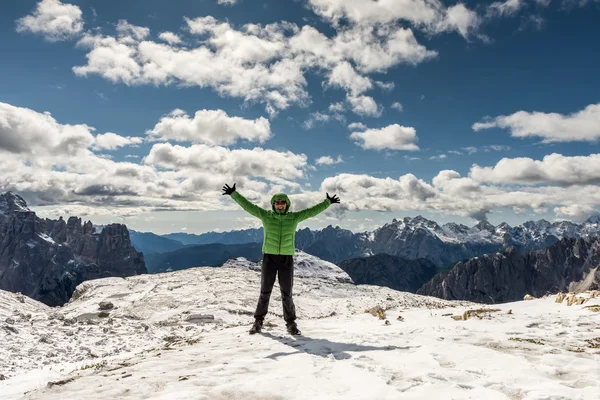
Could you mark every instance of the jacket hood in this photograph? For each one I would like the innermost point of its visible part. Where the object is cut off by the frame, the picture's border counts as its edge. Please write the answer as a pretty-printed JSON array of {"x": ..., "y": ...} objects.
[{"x": 279, "y": 196}]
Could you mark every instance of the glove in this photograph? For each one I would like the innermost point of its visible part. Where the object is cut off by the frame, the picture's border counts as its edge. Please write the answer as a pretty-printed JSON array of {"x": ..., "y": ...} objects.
[
  {"x": 228, "y": 190},
  {"x": 333, "y": 199}
]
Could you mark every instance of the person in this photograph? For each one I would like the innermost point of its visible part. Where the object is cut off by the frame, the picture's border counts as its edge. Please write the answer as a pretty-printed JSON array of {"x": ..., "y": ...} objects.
[{"x": 278, "y": 250}]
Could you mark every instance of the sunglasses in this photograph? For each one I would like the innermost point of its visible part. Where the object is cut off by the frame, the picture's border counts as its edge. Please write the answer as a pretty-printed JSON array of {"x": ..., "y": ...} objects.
[{"x": 280, "y": 202}]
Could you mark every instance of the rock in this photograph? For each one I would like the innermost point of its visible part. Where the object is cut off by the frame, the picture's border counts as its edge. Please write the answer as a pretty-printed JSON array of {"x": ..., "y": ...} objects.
[
  {"x": 568, "y": 264},
  {"x": 10, "y": 321},
  {"x": 528, "y": 297},
  {"x": 560, "y": 297},
  {"x": 105, "y": 305},
  {"x": 203, "y": 318},
  {"x": 58, "y": 255}
]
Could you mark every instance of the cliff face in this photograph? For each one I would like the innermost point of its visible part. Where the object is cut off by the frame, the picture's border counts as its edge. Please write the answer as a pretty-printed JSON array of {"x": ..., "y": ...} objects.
[
  {"x": 46, "y": 259},
  {"x": 391, "y": 271},
  {"x": 568, "y": 265}
]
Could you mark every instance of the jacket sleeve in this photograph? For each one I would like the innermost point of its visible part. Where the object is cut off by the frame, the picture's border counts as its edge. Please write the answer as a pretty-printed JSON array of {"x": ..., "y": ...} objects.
[
  {"x": 253, "y": 209},
  {"x": 312, "y": 211}
]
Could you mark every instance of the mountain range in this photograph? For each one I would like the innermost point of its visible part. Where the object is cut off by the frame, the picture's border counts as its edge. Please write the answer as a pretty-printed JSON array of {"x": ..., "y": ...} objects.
[
  {"x": 46, "y": 259},
  {"x": 409, "y": 238}
]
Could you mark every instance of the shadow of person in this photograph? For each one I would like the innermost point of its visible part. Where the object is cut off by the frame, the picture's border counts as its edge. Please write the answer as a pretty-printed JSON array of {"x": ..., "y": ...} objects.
[{"x": 323, "y": 347}]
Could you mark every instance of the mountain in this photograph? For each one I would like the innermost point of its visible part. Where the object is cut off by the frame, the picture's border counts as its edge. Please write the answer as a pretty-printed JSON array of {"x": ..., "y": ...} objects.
[
  {"x": 391, "y": 271},
  {"x": 418, "y": 237},
  {"x": 209, "y": 255},
  {"x": 46, "y": 259},
  {"x": 331, "y": 244},
  {"x": 570, "y": 264},
  {"x": 231, "y": 237},
  {"x": 305, "y": 266},
  {"x": 148, "y": 242},
  {"x": 184, "y": 335}
]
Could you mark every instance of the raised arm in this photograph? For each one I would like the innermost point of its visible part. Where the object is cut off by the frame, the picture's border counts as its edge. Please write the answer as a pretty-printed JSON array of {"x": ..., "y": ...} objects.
[
  {"x": 316, "y": 209},
  {"x": 253, "y": 209}
]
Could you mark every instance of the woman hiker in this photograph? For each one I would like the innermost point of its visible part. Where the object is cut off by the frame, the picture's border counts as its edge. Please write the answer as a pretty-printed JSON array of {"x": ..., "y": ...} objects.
[{"x": 278, "y": 251}]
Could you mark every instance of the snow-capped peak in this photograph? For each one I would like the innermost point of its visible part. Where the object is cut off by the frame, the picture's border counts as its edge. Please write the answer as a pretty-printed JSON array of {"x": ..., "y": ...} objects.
[{"x": 11, "y": 202}]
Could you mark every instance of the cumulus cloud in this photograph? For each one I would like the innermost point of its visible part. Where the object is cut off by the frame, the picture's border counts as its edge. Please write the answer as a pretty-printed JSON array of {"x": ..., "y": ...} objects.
[
  {"x": 276, "y": 166},
  {"x": 170, "y": 38},
  {"x": 213, "y": 127},
  {"x": 575, "y": 212},
  {"x": 53, "y": 164},
  {"x": 357, "y": 126},
  {"x": 328, "y": 160},
  {"x": 315, "y": 118},
  {"x": 397, "y": 106},
  {"x": 583, "y": 125},
  {"x": 112, "y": 141},
  {"x": 226, "y": 2},
  {"x": 364, "y": 105},
  {"x": 258, "y": 63},
  {"x": 431, "y": 16},
  {"x": 392, "y": 137},
  {"x": 24, "y": 131},
  {"x": 125, "y": 29},
  {"x": 54, "y": 20},
  {"x": 553, "y": 169}
]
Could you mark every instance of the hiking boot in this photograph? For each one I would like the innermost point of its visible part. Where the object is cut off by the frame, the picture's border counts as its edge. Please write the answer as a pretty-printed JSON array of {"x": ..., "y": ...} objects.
[
  {"x": 292, "y": 329},
  {"x": 256, "y": 327}
]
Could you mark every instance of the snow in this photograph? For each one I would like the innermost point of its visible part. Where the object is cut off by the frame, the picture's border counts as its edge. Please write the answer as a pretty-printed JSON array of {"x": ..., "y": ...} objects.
[
  {"x": 147, "y": 348},
  {"x": 305, "y": 266},
  {"x": 46, "y": 238}
]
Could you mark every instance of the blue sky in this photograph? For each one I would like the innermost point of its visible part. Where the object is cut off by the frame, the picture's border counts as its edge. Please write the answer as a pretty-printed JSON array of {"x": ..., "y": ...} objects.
[{"x": 455, "y": 111}]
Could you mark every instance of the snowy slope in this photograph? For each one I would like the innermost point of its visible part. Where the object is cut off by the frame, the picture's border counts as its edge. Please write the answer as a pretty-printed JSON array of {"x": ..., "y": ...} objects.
[
  {"x": 183, "y": 335},
  {"x": 305, "y": 266}
]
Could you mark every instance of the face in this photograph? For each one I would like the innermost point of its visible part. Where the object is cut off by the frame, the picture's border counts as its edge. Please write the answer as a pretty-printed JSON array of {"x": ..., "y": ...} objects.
[{"x": 280, "y": 204}]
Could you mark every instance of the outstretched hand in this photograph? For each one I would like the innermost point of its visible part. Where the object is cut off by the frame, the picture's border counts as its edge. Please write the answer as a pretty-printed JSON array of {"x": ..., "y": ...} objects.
[
  {"x": 228, "y": 190},
  {"x": 333, "y": 199}
]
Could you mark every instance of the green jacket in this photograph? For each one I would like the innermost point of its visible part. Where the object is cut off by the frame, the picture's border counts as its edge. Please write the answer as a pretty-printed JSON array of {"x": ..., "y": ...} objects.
[{"x": 279, "y": 226}]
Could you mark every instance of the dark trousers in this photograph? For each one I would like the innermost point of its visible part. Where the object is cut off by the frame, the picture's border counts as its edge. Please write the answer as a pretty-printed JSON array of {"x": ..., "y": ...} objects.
[{"x": 273, "y": 264}]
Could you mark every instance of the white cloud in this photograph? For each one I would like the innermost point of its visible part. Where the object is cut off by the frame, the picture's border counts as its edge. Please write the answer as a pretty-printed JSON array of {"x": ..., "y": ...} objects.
[
  {"x": 438, "y": 157},
  {"x": 386, "y": 86},
  {"x": 344, "y": 76},
  {"x": 470, "y": 149},
  {"x": 393, "y": 137},
  {"x": 112, "y": 141},
  {"x": 132, "y": 156},
  {"x": 505, "y": 8},
  {"x": 337, "y": 107},
  {"x": 575, "y": 212},
  {"x": 554, "y": 169},
  {"x": 314, "y": 118},
  {"x": 137, "y": 33},
  {"x": 259, "y": 63},
  {"x": 55, "y": 20},
  {"x": 274, "y": 166},
  {"x": 170, "y": 38},
  {"x": 461, "y": 19},
  {"x": 543, "y": 3},
  {"x": 226, "y": 2},
  {"x": 582, "y": 125},
  {"x": 397, "y": 106},
  {"x": 212, "y": 127},
  {"x": 430, "y": 16},
  {"x": 357, "y": 126},
  {"x": 328, "y": 160},
  {"x": 364, "y": 105},
  {"x": 27, "y": 132}
]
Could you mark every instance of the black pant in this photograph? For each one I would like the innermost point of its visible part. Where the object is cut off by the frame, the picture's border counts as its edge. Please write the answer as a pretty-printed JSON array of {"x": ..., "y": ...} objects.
[{"x": 271, "y": 264}]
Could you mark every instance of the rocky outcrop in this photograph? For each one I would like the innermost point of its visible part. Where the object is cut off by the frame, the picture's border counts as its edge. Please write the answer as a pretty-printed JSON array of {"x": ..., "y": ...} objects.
[
  {"x": 568, "y": 265},
  {"x": 46, "y": 259},
  {"x": 391, "y": 271}
]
